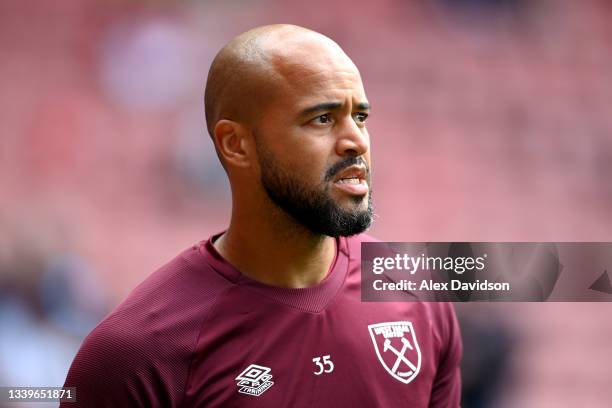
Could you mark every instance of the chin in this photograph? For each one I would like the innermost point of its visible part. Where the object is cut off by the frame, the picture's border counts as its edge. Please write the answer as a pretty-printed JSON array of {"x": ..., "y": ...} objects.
[{"x": 354, "y": 203}]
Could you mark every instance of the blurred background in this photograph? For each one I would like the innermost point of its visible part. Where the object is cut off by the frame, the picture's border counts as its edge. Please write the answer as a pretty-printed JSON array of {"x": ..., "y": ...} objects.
[{"x": 491, "y": 122}]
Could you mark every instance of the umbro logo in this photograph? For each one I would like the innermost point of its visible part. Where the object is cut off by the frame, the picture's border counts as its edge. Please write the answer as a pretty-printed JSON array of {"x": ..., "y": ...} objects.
[{"x": 254, "y": 380}]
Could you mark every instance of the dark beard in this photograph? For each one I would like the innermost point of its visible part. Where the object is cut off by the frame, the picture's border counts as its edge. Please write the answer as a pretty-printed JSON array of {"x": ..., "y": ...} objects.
[{"x": 313, "y": 208}]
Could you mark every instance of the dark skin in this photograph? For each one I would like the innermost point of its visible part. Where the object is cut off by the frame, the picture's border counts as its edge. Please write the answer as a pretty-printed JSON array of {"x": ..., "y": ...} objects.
[{"x": 305, "y": 99}]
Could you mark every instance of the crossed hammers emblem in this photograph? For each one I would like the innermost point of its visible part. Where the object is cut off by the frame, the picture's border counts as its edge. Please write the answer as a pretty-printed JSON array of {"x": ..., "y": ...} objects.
[{"x": 400, "y": 356}]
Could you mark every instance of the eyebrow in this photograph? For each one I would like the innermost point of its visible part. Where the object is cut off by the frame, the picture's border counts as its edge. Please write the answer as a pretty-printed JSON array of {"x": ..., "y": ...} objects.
[{"x": 331, "y": 106}]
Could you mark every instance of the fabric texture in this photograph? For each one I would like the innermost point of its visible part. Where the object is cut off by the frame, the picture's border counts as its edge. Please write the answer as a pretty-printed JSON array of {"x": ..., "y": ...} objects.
[{"x": 198, "y": 333}]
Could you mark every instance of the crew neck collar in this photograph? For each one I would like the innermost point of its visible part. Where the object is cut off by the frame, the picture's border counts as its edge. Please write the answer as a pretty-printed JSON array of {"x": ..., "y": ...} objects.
[{"x": 311, "y": 299}]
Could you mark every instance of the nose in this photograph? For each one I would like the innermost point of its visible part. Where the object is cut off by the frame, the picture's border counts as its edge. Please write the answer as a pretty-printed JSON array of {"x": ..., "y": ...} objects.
[{"x": 353, "y": 140}]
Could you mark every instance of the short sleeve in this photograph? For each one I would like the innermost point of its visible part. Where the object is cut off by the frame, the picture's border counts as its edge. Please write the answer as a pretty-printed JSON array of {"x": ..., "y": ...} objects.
[
  {"x": 113, "y": 368},
  {"x": 446, "y": 390}
]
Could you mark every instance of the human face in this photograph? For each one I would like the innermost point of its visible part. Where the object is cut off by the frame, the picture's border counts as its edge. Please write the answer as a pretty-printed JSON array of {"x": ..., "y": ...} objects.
[
  {"x": 313, "y": 147},
  {"x": 313, "y": 207}
]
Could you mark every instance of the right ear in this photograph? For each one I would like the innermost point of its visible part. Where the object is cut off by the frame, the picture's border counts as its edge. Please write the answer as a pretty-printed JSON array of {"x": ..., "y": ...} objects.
[{"x": 233, "y": 143}]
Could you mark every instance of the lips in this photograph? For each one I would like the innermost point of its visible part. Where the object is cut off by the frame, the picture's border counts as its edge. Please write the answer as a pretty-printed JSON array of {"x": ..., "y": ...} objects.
[{"x": 352, "y": 180}]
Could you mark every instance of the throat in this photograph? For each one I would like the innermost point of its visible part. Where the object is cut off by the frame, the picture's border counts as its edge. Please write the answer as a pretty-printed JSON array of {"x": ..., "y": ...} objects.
[{"x": 287, "y": 263}]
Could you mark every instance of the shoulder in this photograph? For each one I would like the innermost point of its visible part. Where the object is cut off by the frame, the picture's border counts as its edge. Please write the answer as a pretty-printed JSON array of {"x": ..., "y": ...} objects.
[
  {"x": 446, "y": 333},
  {"x": 170, "y": 301},
  {"x": 142, "y": 350}
]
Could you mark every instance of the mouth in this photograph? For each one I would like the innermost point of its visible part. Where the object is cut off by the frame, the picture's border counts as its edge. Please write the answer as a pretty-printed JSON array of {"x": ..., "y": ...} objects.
[{"x": 352, "y": 180}]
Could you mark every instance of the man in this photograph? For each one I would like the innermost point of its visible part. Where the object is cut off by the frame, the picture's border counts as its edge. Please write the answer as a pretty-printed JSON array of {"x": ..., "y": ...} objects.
[{"x": 268, "y": 313}]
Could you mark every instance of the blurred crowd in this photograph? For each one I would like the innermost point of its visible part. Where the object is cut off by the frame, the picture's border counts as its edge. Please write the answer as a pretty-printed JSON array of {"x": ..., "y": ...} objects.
[{"x": 490, "y": 122}]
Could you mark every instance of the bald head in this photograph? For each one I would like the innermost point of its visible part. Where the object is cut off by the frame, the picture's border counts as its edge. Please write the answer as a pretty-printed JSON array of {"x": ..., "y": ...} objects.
[
  {"x": 286, "y": 110},
  {"x": 249, "y": 72}
]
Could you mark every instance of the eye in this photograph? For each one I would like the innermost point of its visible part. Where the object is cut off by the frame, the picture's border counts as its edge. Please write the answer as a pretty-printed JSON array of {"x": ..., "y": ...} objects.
[
  {"x": 326, "y": 118},
  {"x": 360, "y": 117}
]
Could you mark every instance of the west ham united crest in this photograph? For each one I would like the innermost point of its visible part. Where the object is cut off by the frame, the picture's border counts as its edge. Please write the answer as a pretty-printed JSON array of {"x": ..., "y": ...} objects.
[{"x": 397, "y": 349}]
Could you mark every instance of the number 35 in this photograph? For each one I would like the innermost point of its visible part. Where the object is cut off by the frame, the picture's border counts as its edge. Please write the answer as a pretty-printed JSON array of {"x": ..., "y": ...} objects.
[{"x": 327, "y": 366}]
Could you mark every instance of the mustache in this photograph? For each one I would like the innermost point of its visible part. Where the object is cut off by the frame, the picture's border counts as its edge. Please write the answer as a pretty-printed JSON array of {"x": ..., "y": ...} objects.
[{"x": 343, "y": 164}]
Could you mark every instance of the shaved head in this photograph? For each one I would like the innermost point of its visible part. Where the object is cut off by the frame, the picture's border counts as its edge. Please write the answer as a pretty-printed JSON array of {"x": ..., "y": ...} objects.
[
  {"x": 249, "y": 71},
  {"x": 286, "y": 110}
]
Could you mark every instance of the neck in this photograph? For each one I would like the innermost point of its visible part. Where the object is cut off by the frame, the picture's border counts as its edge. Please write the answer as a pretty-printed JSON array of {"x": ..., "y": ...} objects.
[{"x": 276, "y": 250}]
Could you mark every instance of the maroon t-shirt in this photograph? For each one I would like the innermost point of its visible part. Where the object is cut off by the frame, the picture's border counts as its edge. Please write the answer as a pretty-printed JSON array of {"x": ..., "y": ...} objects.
[{"x": 197, "y": 333}]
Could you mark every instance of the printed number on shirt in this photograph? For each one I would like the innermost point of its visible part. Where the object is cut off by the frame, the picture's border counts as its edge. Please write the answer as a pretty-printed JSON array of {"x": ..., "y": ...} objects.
[{"x": 327, "y": 366}]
